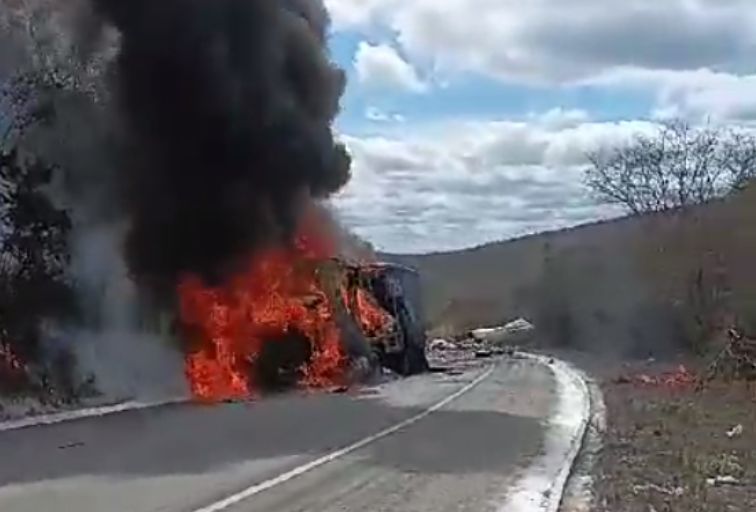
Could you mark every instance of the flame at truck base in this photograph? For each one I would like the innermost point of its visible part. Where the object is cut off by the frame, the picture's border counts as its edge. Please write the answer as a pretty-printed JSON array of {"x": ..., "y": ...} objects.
[{"x": 283, "y": 295}]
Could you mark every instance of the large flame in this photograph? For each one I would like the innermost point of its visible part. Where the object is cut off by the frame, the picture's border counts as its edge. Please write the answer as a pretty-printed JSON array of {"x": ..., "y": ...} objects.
[{"x": 281, "y": 291}]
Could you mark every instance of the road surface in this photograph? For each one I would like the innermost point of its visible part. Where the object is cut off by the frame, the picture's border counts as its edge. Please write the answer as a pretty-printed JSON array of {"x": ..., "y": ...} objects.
[{"x": 432, "y": 443}]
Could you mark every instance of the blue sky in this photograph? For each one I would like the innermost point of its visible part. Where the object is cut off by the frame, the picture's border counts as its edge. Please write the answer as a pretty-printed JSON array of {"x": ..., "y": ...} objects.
[
  {"x": 469, "y": 120},
  {"x": 471, "y": 96}
]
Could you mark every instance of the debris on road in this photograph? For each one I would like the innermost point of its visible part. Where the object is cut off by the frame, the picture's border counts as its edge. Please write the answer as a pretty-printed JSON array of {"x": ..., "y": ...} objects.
[
  {"x": 723, "y": 480},
  {"x": 736, "y": 431},
  {"x": 440, "y": 344},
  {"x": 519, "y": 331},
  {"x": 674, "y": 491},
  {"x": 75, "y": 444}
]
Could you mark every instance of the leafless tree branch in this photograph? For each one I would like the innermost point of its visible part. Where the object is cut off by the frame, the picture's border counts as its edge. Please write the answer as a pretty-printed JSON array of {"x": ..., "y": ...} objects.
[{"x": 678, "y": 166}]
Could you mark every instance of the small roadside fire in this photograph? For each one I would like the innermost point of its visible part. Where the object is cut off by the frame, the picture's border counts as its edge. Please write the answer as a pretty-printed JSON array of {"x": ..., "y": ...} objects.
[
  {"x": 275, "y": 316},
  {"x": 680, "y": 378},
  {"x": 12, "y": 369}
]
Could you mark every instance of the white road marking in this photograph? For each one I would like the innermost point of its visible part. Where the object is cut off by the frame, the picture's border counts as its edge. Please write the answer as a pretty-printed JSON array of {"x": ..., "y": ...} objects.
[
  {"x": 578, "y": 495},
  {"x": 298, "y": 471},
  {"x": 542, "y": 486},
  {"x": 78, "y": 414}
]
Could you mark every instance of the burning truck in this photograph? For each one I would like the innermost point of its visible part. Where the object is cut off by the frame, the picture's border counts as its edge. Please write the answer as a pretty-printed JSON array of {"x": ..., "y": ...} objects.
[
  {"x": 300, "y": 316},
  {"x": 224, "y": 145}
]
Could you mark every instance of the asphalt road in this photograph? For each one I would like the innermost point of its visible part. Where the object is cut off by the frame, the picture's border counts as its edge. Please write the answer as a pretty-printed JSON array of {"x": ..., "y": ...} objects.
[{"x": 462, "y": 456}]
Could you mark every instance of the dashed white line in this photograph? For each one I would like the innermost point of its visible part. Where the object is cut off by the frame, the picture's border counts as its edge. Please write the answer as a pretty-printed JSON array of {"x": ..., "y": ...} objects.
[{"x": 298, "y": 471}]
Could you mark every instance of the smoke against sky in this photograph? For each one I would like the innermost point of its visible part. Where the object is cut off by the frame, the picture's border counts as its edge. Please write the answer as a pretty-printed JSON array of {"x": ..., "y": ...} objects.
[{"x": 227, "y": 109}]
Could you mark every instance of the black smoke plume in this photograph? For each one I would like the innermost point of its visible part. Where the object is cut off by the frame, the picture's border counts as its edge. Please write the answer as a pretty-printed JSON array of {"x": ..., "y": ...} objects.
[{"x": 226, "y": 109}]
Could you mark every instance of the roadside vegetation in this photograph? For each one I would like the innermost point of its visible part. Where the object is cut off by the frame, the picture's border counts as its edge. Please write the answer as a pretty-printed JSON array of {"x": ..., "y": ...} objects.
[{"x": 39, "y": 73}]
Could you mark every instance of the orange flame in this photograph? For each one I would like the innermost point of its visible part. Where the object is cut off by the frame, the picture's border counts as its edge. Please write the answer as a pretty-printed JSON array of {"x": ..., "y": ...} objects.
[
  {"x": 373, "y": 319},
  {"x": 681, "y": 378},
  {"x": 12, "y": 370},
  {"x": 278, "y": 293}
]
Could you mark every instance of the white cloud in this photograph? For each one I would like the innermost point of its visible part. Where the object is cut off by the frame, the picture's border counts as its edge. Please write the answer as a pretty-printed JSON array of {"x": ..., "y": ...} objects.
[
  {"x": 694, "y": 94},
  {"x": 467, "y": 183},
  {"x": 356, "y": 13},
  {"x": 552, "y": 41},
  {"x": 377, "y": 115},
  {"x": 381, "y": 66},
  {"x": 559, "y": 117}
]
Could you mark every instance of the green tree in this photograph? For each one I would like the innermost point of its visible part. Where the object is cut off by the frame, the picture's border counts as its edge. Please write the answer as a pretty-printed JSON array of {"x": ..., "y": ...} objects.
[{"x": 34, "y": 255}]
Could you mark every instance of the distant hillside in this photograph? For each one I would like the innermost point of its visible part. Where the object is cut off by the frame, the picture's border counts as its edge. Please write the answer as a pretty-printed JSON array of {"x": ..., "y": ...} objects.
[{"x": 634, "y": 285}]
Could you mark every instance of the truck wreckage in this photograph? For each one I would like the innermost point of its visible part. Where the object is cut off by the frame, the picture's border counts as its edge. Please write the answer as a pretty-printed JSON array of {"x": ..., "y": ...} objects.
[
  {"x": 379, "y": 312},
  {"x": 398, "y": 342},
  {"x": 296, "y": 319}
]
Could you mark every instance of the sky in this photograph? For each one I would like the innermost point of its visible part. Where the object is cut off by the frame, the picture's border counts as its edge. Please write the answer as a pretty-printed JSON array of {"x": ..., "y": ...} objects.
[{"x": 468, "y": 121}]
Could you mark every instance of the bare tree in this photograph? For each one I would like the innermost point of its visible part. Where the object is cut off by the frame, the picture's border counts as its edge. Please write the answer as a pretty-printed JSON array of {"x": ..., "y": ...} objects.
[
  {"x": 42, "y": 56},
  {"x": 678, "y": 166}
]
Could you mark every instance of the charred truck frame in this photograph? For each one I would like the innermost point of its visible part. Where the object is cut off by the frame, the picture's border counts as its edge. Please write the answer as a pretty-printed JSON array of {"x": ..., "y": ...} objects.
[
  {"x": 377, "y": 306},
  {"x": 396, "y": 342},
  {"x": 379, "y": 312}
]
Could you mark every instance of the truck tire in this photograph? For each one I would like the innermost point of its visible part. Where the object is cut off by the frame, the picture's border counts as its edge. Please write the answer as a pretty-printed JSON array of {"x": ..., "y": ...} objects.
[
  {"x": 416, "y": 361},
  {"x": 413, "y": 356}
]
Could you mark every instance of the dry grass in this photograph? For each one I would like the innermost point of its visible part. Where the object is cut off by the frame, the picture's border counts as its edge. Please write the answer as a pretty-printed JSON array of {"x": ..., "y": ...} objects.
[{"x": 663, "y": 446}]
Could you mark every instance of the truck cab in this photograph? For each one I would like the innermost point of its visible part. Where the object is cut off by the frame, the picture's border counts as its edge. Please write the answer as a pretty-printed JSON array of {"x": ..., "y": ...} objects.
[{"x": 396, "y": 290}]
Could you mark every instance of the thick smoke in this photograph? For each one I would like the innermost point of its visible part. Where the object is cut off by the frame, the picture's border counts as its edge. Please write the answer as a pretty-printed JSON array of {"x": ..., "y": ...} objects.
[
  {"x": 122, "y": 343},
  {"x": 227, "y": 108}
]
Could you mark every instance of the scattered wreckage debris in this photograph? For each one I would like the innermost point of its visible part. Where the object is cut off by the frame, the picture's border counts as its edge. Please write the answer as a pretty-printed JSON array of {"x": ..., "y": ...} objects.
[
  {"x": 484, "y": 354},
  {"x": 720, "y": 481},
  {"x": 71, "y": 445},
  {"x": 645, "y": 488},
  {"x": 445, "y": 354},
  {"x": 440, "y": 344},
  {"x": 518, "y": 332},
  {"x": 735, "y": 431}
]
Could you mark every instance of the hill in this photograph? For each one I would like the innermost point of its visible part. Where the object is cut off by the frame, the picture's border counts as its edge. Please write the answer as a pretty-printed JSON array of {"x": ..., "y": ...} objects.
[{"x": 636, "y": 285}]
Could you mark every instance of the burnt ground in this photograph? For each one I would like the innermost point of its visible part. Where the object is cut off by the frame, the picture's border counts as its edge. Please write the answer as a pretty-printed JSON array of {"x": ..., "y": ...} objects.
[{"x": 663, "y": 445}]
